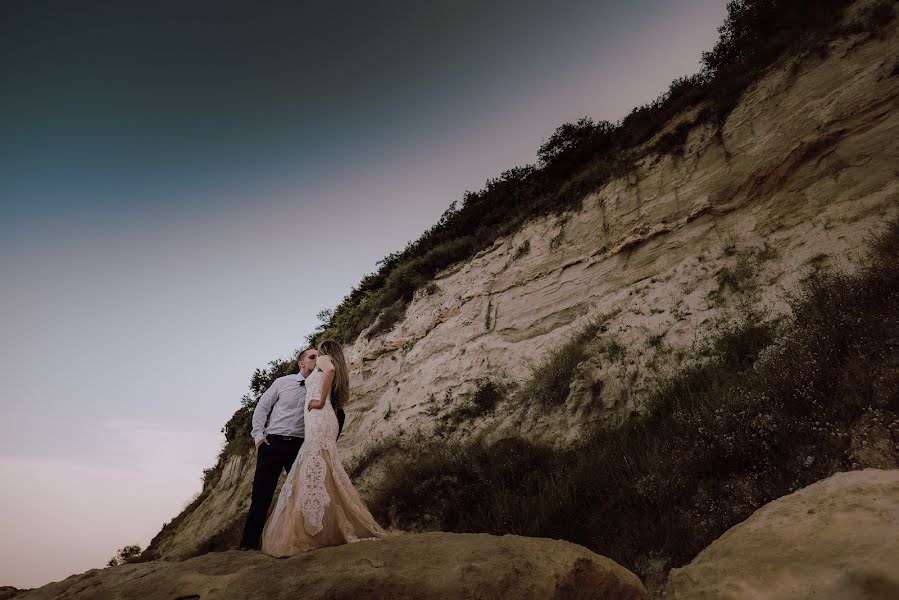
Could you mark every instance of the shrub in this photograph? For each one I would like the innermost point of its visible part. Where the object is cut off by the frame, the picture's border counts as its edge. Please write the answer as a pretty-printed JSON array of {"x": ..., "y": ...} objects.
[
  {"x": 572, "y": 144},
  {"x": 551, "y": 382},
  {"x": 124, "y": 555},
  {"x": 438, "y": 484},
  {"x": 481, "y": 403},
  {"x": 389, "y": 317},
  {"x": 487, "y": 395},
  {"x": 673, "y": 142},
  {"x": 373, "y": 453},
  {"x": 741, "y": 276},
  {"x": 738, "y": 276}
]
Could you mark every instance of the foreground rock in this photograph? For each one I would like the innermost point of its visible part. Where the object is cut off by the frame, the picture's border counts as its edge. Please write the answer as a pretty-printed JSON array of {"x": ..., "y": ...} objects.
[
  {"x": 430, "y": 565},
  {"x": 838, "y": 538}
]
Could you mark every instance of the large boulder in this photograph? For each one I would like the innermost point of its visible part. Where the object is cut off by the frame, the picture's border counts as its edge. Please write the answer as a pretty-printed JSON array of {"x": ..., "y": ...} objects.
[
  {"x": 838, "y": 538},
  {"x": 421, "y": 566}
]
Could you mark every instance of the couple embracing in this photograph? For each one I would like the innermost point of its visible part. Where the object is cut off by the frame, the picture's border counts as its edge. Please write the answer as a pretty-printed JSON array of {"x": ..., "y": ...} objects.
[{"x": 318, "y": 505}]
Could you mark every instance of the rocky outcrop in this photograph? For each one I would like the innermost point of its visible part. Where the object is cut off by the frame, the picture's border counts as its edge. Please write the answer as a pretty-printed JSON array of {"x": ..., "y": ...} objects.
[
  {"x": 838, "y": 538},
  {"x": 432, "y": 565},
  {"x": 802, "y": 173}
]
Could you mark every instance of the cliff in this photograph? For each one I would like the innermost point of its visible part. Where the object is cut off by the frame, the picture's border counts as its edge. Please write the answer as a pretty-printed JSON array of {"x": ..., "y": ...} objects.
[{"x": 802, "y": 172}]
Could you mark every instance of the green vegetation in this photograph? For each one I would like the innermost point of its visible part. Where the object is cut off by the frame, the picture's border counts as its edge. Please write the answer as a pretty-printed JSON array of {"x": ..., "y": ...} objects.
[
  {"x": 389, "y": 317},
  {"x": 373, "y": 453},
  {"x": 767, "y": 408},
  {"x": 124, "y": 555},
  {"x": 742, "y": 275},
  {"x": 551, "y": 382},
  {"x": 451, "y": 413},
  {"x": 656, "y": 340},
  {"x": 481, "y": 403}
]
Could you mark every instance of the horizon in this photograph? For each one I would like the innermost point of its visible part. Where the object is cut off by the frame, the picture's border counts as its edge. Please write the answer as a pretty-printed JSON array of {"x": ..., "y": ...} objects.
[{"x": 167, "y": 185}]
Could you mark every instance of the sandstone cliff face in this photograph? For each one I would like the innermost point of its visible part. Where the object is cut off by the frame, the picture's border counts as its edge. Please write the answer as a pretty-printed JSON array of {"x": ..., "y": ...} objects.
[{"x": 807, "y": 166}]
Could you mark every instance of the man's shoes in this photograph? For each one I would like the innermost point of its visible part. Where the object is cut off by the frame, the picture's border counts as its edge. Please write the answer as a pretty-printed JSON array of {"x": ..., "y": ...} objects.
[{"x": 245, "y": 548}]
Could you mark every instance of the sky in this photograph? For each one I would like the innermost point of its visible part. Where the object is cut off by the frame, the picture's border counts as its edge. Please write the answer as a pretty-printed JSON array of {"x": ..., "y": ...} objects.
[{"x": 184, "y": 185}]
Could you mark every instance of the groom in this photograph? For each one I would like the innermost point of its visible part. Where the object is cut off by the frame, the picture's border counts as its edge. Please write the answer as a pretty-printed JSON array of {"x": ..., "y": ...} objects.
[{"x": 277, "y": 444}]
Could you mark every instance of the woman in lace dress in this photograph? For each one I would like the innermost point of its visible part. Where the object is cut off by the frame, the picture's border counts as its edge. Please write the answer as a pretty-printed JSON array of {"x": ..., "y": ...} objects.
[{"x": 318, "y": 505}]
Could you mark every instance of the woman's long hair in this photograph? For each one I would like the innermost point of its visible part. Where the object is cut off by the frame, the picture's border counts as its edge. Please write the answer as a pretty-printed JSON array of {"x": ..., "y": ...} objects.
[{"x": 340, "y": 388}]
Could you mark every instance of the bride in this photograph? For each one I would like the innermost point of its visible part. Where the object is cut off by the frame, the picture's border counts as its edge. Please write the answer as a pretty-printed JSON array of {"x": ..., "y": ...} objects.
[{"x": 318, "y": 505}]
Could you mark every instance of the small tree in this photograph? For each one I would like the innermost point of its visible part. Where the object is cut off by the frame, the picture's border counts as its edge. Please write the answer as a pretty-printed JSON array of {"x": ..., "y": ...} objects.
[{"x": 124, "y": 555}]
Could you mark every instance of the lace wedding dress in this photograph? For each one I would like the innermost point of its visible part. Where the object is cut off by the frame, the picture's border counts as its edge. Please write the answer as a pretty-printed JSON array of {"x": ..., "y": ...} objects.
[{"x": 318, "y": 505}]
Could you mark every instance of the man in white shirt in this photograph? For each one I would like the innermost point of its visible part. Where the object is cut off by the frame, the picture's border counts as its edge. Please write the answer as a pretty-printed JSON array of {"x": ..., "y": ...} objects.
[{"x": 278, "y": 443}]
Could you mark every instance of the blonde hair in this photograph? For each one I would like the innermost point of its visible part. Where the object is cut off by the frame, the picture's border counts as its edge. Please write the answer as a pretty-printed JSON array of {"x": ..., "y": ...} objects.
[{"x": 340, "y": 388}]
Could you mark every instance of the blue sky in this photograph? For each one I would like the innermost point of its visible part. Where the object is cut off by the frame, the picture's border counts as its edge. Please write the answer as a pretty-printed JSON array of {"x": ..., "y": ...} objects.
[{"x": 184, "y": 185}]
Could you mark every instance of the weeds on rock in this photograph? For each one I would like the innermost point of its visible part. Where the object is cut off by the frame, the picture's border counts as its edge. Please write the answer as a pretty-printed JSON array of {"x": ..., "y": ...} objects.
[
  {"x": 480, "y": 403},
  {"x": 742, "y": 275},
  {"x": 551, "y": 382}
]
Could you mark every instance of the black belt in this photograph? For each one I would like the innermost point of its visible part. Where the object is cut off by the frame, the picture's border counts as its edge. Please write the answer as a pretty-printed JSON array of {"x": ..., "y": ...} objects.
[{"x": 284, "y": 438}]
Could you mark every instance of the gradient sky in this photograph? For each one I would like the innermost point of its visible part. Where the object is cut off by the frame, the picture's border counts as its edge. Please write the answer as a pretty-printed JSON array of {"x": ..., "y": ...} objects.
[{"x": 184, "y": 185}]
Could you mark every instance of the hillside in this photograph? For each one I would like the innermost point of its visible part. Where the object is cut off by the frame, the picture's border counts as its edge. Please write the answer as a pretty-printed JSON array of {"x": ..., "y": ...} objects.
[{"x": 568, "y": 323}]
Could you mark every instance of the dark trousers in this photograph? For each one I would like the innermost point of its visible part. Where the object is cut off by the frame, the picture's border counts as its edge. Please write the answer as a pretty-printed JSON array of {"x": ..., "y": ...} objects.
[{"x": 271, "y": 458}]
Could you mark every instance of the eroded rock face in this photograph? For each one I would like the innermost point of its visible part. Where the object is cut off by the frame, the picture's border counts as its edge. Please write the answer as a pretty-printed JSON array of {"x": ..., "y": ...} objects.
[
  {"x": 803, "y": 174},
  {"x": 805, "y": 171},
  {"x": 432, "y": 565},
  {"x": 838, "y": 538}
]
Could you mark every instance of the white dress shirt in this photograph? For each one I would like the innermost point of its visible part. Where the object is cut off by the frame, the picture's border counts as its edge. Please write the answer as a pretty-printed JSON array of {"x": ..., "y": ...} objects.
[{"x": 288, "y": 395}]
